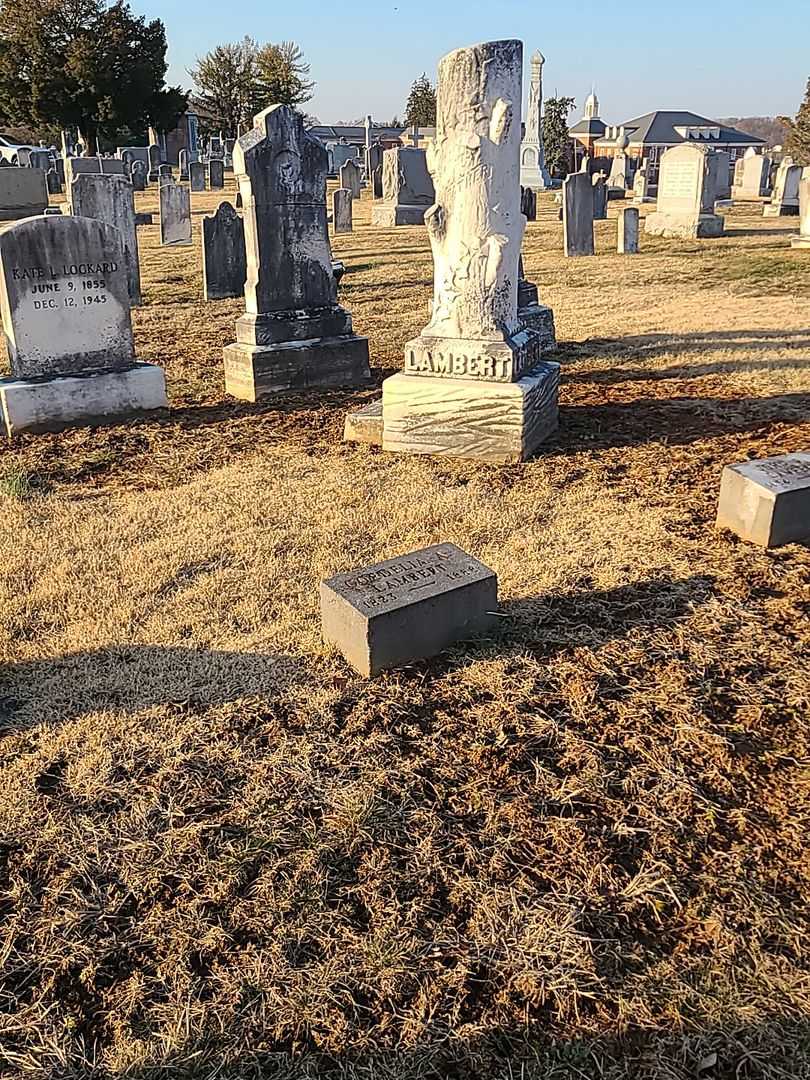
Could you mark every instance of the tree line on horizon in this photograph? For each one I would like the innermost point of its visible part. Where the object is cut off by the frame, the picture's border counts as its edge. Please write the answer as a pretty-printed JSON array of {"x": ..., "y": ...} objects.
[{"x": 95, "y": 66}]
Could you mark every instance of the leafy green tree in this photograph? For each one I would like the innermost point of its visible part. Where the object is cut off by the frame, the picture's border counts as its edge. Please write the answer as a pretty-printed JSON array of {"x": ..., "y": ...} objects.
[
  {"x": 88, "y": 64},
  {"x": 282, "y": 75},
  {"x": 228, "y": 95},
  {"x": 421, "y": 107},
  {"x": 798, "y": 139},
  {"x": 556, "y": 140}
]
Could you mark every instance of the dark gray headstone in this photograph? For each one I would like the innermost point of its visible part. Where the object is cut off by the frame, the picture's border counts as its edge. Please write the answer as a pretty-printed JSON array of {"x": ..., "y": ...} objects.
[
  {"x": 23, "y": 193},
  {"x": 175, "y": 214},
  {"x": 182, "y": 161},
  {"x": 223, "y": 254},
  {"x": 342, "y": 209},
  {"x": 110, "y": 199},
  {"x": 409, "y": 608},
  {"x": 600, "y": 198},
  {"x": 196, "y": 174},
  {"x": 216, "y": 174},
  {"x": 154, "y": 163},
  {"x": 528, "y": 204},
  {"x": 578, "y": 214},
  {"x": 53, "y": 182},
  {"x": 138, "y": 176}
]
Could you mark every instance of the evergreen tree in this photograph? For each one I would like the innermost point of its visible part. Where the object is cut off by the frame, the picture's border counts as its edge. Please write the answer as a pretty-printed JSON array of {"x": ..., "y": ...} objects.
[
  {"x": 556, "y": 140},
  {"x": 282, "y": 75},
  {"x": 228, "y": 95},
  {"x": 88, "y": 64},
  {"x": 421, "y": 107},
  {"x": 798, "y": 140}
]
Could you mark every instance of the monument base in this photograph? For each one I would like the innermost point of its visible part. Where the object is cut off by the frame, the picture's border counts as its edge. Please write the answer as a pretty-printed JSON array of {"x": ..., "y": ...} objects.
[
  {"x": 365, "y": 425},
  {"x": 388, "y": 215},
  {"x": 489, "y": 421},
  {"x": 800, "y": 241},
  {"x": 534, "y": 178},
  {"x": 540, "y": 318},
  {"x": 783, "y": 210},
  {"x": 253, "y": 372},
  {"x": 684, "y": 227},
  {"x": 100, "y": 397}
]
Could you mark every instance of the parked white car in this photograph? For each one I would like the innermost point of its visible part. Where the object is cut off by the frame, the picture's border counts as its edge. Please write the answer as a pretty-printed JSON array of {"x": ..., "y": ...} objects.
[{"x": 10, "y": 150}]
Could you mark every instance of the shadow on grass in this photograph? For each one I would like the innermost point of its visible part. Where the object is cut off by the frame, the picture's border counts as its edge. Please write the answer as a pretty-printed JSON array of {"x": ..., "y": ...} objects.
[
  {"x": 677, "y": 421},
  {"x": 613, "y": 376},
  {"x": 645, "y": 345}
]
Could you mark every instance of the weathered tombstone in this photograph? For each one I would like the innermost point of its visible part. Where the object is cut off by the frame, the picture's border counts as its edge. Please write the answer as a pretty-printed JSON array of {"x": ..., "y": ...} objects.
[
  {"x": 600, "y": 197},
  {"x": 350, "y": 177},
  {"x": 237, "y": 202},
  {"x": 182, "y": 162},
  {"x": 578, "y": 214},
  {"x": 223, "y": 254},
  {"x": 723, "y": 174},
  {"x": 768, "y": 501},
  {"x": 628, "y": 231},
  {"x": 785, "y": 198},
  {"x": 23, "y": 193},
  {"x": 165, "y": 175},
  {"x": 407, "y": 188},
  {"x": 473, "y": 383},
  {"x": 409, "y": 608},
  {"x": 59, "y": 165},
  {"x": 532, "y": 314},
  {"x": 377, "y": 182},
  {"x": 154, "y": 163},
  {"x": 216, "y": 174},
  {"x": 196, "y": 172},
  {"x": 143, "y": 219},
  {"x": 110, "y": 199},
  {"x": 528, "y": 203},
  {"x": 96, "y": 165},
  {"x": 342, "y": 210},
  {"x": 751, "y": 176},
  {"x": 374, "y": 158},
  {"x": 138, "y": 176},
  {"x": 618, "y": 180},
  {"x": 175, "y": 214},
  {"x": 533, "y": 171},
  {"x": 341, "y": 153},
  {"x": 131, "y": 154},
  {"x": 293, "y": 334},
  {"x": 803, "y": 238},
  {"x": 53, "y": 182},
  {"x": 64, "y": 299},
  {"x": 641, "y": 184},
  {"x": 687, "y": 185}
]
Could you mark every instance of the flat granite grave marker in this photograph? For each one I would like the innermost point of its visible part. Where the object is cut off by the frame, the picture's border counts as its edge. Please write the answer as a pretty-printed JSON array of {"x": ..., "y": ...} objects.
[
  {"x": 223, "y": 254},
  {"x": 767, "y": 501},
  {"x": 687, "y": 192},
  {"x": 577, "y": 210},
  {"x": 409, "y": 608},
  {"x": 110, "y": 199},
  {"x": 64, "y": 300},
  {"x": 342, "y": 210},
  {"x": 175, "y": 214},
  {"x": 23, "y": 193},
  {"x": 293, "y": 334}
]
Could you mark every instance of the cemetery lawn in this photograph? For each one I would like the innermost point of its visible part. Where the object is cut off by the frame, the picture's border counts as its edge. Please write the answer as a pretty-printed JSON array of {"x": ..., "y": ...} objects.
[{"x": 575, "y": 849}]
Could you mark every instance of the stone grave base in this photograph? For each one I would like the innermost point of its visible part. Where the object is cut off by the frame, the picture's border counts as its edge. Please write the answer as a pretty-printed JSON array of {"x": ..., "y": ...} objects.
[
  {"x": 614, "y": 193},
  {"x": 540, "y": 318},
  {"x": 643, "y": 200},
  {"x": 684, "y": 227},
  {"x": 102, "y": 397},
  {"x": 386, "y": 216},
  {"x": 785, "y": 210},
  {"x": 800, "y": 241},
  {"x": 253, "y": 372},
  {"x": 365, "y": 425},
  {"x": 498, "y": 422}
]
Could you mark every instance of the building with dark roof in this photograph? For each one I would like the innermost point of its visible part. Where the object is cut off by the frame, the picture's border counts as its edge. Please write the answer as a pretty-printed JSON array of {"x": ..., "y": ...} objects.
[
  {"x": 587, "y": 130},
  {"x": 648, "y": 136}
]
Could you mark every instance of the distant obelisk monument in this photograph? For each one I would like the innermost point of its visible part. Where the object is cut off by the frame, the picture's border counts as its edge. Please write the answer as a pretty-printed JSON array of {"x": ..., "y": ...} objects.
[{"x": 533, "y": 171}]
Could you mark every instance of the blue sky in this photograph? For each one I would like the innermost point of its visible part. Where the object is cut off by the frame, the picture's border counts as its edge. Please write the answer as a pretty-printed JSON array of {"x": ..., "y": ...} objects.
[{"x": 716, "y": 57}]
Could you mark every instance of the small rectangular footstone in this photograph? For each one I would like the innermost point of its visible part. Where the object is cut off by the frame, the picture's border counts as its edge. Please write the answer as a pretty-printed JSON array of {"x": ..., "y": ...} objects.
[
  {"x": 409, "y": 608},
  {"x": 767, "y": 502},
  {"x": 365, "y": 425}
]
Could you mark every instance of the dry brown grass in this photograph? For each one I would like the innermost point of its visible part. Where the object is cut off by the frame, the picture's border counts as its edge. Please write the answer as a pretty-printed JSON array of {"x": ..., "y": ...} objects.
[{"x": 577, "y": 849}]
